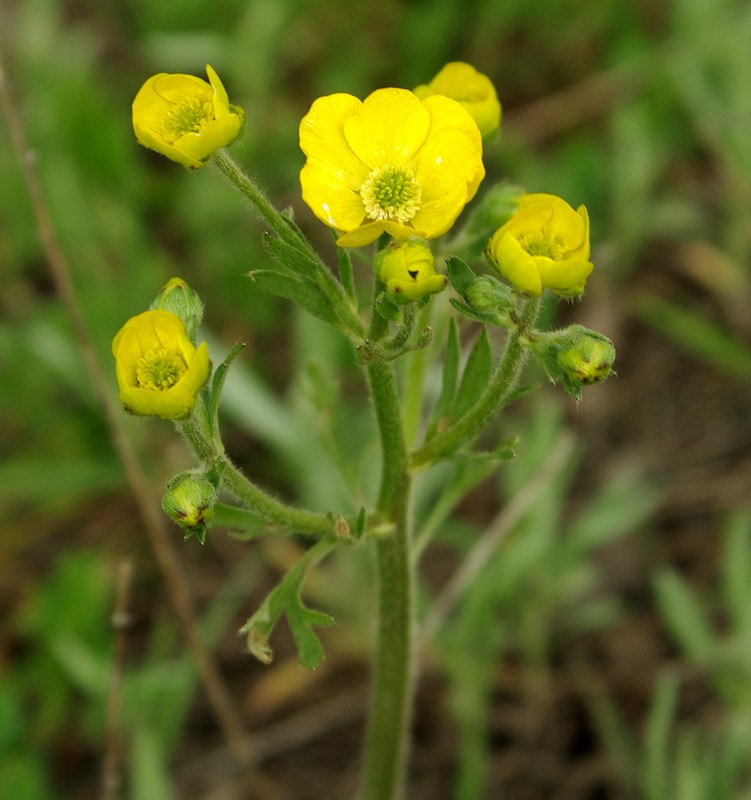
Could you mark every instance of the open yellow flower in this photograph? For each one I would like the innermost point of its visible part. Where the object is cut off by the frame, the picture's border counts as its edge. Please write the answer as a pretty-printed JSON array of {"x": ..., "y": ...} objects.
[
  {"x": 185, "y": 118},
  {"x": 408, "y": 270},
  {"x": 392, "y": 163},
  {"x": 159, "y": 371},
  {"x": 545, "y": 245},
  {"x": 475, "y": 91}
]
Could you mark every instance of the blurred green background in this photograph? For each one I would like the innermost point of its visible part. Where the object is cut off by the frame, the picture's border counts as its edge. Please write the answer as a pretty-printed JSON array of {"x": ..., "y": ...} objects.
[{"x": 605, "y": 650}]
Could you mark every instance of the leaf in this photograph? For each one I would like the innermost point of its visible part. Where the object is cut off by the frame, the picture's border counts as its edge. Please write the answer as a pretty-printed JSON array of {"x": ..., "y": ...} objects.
[
  {"x": 286, "y": 598},
  {"x": 504, "y": 451},
  {"x": 217, "y": 384},
  {"x": 476, "y": 375},
  {"x": 301, "y": 621},
  {"x": 468, "y": 311},
  {"x": 300, "y": 291},
  {"x": 445, "y": 400},
  {"x": 460, "y": 275},
  {"x": 291, "y": 256}
]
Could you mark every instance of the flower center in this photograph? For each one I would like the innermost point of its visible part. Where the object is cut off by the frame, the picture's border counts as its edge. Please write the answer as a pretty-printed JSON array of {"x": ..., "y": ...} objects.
[
  {"x": 189, "y": 115},
  {"x": 160, "y": 369},
  {"x": 391, "y": 193},
  {"x": 541, "y": 243}
]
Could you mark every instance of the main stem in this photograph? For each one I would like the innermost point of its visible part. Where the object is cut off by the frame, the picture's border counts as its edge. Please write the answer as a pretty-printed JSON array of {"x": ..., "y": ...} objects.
[{"x": 391, "y": 699}]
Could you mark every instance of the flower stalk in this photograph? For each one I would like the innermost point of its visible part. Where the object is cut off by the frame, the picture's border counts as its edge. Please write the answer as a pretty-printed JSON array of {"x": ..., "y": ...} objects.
[{"x": 464, "y": 430}]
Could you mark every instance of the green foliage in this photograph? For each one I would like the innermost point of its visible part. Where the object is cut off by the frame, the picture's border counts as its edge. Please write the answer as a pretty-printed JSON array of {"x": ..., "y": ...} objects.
[
  {"x": 286, "y": 599},
  {"x": 538, "y": 576}
]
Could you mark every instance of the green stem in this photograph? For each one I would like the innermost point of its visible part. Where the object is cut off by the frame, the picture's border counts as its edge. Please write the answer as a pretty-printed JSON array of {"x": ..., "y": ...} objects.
[
  {"x": 497, "y": 392},
  {"x": 391, "y": 700},
  {"x": 283, "y": 226},
  {"x": 276, "y": 221},
  {"x": 209, "y": 449},
  {"x": 271, "y": 509}
]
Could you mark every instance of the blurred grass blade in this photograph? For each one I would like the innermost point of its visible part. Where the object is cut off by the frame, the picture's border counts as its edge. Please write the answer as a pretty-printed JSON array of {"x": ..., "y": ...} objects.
[
  {"x": 684, "y": 616},
  {"x": 692, "y": 331},
  {"x": 657, "y": 738}
]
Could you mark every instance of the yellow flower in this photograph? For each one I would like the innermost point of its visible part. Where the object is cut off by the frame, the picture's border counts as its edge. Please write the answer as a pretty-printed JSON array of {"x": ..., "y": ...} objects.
[
  {"x": 185, "y": 118},
  {"x": 391, "y": 163},
  {"x": 475, "y": 91},
  {"x": 159, "y": 371},
  {"x": 408, "y": 270},
  {"x": 544, "y": 245}
]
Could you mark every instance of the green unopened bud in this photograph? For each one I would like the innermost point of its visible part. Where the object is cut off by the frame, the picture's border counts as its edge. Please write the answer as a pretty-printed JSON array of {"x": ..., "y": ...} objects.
[
  {"x": 575, "y": 357},
  {"x": 179, "y": 299},
  {"x": 488, "y": 295},
  {"x": 408, "y": 270},
  {"x": 189, "y": 502}
]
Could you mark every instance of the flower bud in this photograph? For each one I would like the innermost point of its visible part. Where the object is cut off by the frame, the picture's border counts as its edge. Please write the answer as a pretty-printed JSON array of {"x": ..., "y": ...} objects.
[
  {"x": 575, "y": 357},
  {"x": 545, "y": 245},
  {"x": 408, "y": 270},
  {"x": 471, "y": 89},
  {"x": 489, "y": 296},
  {"x": 185, "y": 118},
  {"x": 189, "y": 502},
  {"x": 179, "y": 299}
]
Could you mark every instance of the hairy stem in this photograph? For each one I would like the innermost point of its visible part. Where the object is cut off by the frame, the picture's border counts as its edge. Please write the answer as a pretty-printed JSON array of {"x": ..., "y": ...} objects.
[
  {"x": 497, "y": 392},
  {"x": 391, "y": 699},
  {"x": 271, "y": 509},
  {"x": 209, "y": 449}
]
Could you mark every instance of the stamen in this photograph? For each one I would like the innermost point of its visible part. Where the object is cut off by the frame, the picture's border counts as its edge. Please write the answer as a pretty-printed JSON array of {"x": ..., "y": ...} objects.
[
  {"x": 391, "y": 193},
  {"x": 187, "y": 116},
  {"x": 160, "y": 369}
]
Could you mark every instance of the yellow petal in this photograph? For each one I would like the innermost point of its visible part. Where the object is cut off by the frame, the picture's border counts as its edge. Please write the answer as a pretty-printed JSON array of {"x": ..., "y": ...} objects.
[
  {"x": 564, "y": 277},
  {"x": 413, "y": 290},
  {"x": 329, "y": 197},
  {"x": 322, "y": 140},
  {"x": 221, "y": 100},
  {"x": 389, "y": 129},
  {"x": 150, "y": 403},
  {"x": 194, "y": 149},
  {"x": 368, "y": 233},
  {"x": 515, "y": 264},
  {"x": 197, "y": 373},
  {"x": 447, "y": 170}
]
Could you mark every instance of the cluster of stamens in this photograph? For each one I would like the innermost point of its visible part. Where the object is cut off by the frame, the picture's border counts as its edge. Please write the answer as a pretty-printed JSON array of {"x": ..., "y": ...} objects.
[
  {"x": 160, "y": 369},
  {"x": 189, "y": 115},
  {"x": 391, "y": 193}
]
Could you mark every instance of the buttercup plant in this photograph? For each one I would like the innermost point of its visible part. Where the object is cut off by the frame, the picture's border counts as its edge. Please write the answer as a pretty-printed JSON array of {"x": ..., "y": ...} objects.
[{"x": 396, "y": 169}]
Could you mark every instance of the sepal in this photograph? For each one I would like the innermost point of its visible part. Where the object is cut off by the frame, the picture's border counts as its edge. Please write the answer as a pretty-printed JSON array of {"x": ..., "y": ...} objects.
[
  {"x": 189, "y": 502},
  {"x": 179, "y": 299},
  {"x": 484, "y": 299}
]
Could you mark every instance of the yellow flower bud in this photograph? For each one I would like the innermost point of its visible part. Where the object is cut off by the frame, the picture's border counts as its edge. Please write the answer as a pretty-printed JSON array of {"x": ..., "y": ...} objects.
[
  {"x": 189, "y": 501},
  {"x": 470, "y": 88},
  {"x": 408, "y": 270},
  {"x": 185, "y": 118},
  {"x": 159, "y": 370},
  {"x": 545, "y": 245}
]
